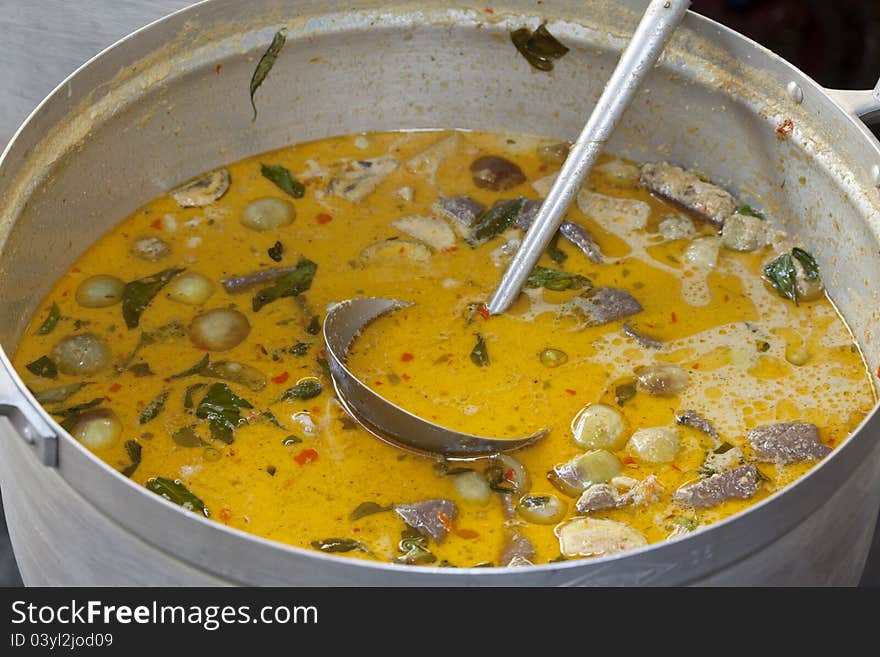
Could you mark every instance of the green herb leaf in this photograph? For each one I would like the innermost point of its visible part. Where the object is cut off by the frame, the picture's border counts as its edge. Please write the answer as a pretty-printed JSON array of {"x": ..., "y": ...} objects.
[
  {"x": 165, "y": 333},
  {"x": 137, "y": 295},
  {"x": 78, "y": 408},
  {"x": 44, "y": 367},
  {"x": 198, "y": 368},
  {"x": 443, "y": 469},
  {"x": 276, "y": 251},
  {"x": 291, "y": 440},
  {"x": 50, "y": 322},
  {"x": 308, "y": 389},
  {"x": 535, "y": 501},
  {"x": 283, "y": 180},
  {"x": 554, "y": 252},
  {"x": 133, "y": 449},
  {"x": 59, "y": 394},
  {"x": 174, "y": 491},
  {"x": 267, "y": 61},
  {"x": 556, "y": 279},
  {"x": 269, "y": 416},
  {"x": 155, "y": 407},
  {"x": 539, "y": 48},
  {"x": 324, "y": 364},
  {"x": 479, "y": 354},
  {"x": 365, "y": 509},
  {"x": 782, "y": 275},
  {"x": 240, "y": 373},
  {"x": 188, "y": 395},
  {"x": 685, "y": 522},
  {"x": 496, "y": 220},
  {"x": 808, "y": 262},
  {"x": 186, "y": 437},
  {"x": 299, "y": 349},
  {"x": 340, "y": 545},
  {"x": 498, "y": 482},
  {"x": 222, "y": 408},
  {"x": 288, "y": 285},
  {"x": 414, "y": 547},
  {"x": 749, "y": 211},
  {"x": 141, "y": 369},
  {"x": 314, "y": 326}
]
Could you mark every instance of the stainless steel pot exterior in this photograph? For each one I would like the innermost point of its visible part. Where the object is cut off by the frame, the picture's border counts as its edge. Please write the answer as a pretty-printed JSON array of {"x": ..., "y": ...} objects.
[{"x": 156, "y": 109}]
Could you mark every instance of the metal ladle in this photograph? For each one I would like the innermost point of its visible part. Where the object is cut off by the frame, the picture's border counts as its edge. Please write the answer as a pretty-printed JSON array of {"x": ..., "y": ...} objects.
[{"x": 347, "y": 319}]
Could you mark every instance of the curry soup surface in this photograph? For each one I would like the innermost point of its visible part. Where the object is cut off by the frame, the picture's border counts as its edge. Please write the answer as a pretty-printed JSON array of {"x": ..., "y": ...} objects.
[{"x": 290, "y": 465}]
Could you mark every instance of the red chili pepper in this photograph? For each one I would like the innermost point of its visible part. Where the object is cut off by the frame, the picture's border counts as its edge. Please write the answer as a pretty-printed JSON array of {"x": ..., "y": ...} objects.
[
  {"x": 510, "y": 475},
  {"x": 75, "y": 270},
  {"x": 156, "y": 223},
  {"x": 405, "y": 376},
  {"x": 785, "y": 127},
  {"x": 324, "y": 218},
  {"x": 878, "y": 372},
  {"x": 447, "y": 522},
  {"x": 675, "y": 467},
  {"x": 695, "y": 366},
  {"x": 218, "y": 68},
  {"x": 225, "y": 515},
  {"x": 281, "y": 378},
  {"x": 628, "y": 459},
  {"x": 306, "y": 456},
  {"x": 726, "y": 298},
  {"x": 570, "y": 391},
  {"x": 483, "y": 310},
  {"x": 674, "y": 318},
  {"x": 407, "y": 357},
  {"x": 467, "y": 533},
  {"x": 115, "y": 387}
]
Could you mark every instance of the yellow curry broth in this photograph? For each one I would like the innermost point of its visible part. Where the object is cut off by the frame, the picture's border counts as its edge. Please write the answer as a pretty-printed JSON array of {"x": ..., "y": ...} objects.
[{"x": 305, "y": 490}]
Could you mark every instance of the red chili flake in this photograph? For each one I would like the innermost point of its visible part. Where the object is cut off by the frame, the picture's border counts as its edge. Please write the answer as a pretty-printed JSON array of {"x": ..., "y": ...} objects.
[
  {"x": 324, "y": 218},
  {"x": 726, "y": 298},
  {"x": 405, "y": 377},
  {"x": 406, "y": 357},
  {"x": 218, "y": 68},
  {"x": 479, "y": 26},
  {"x": 878, "y": 372},
  {"x": 115, "y": 387},
  {"x": 315, "y": 409},
  {"x": 447, "y": 522},
  {"x": 355, "y": 529},
  {"x": 785, "y": 127},
  {"x": 225, "y": 515},
  {"x": 306, "y": 456},
  {"x": 570, "y": 391},
  {"x": 510, "y": 475},
  {"x": 281, "y": 378},
  {"x": 675, "y": 467},
  {"x": 483, "y": 310},
  {"x": 831, "y": 442},
  {"x": 673, "y": 317},
  {"x": 489, "y": 10},
  {"x": 75, "y": 270},
  {"x": 450, "y": 249},
  {"x": 628, "y": 459},
  {"x": 157, "y": 224},
  {"x": 695, "y": 366},
  {"x": 467, "y": 533},
  {"x": 378, "y": 383}
]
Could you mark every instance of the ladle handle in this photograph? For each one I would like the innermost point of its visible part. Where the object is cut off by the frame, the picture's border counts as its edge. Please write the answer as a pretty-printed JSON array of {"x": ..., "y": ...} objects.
[{"x": 659, "y": 21}]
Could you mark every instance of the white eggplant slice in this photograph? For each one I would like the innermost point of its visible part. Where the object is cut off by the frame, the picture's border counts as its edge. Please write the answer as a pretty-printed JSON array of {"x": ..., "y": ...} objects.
[
  {"x": 434, "y": 232},
  {"x": 427, "y": 162},
  {"x": 596, "y": 537},
  {"x": 616, "y": 215},
  {"x": 202, "y": 191},
  {"x": 395, "y": 252},
  {"x": 358, "y": 179}
]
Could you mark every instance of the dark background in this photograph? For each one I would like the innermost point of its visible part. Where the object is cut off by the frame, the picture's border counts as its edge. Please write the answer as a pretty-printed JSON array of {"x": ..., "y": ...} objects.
[{"x": 837, "y": 43}]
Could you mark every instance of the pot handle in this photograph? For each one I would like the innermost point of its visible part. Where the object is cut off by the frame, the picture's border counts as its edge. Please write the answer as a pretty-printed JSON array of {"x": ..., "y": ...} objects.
[
  {"x": 24, "y": 412},
  {"x": 863, "y": 104}
]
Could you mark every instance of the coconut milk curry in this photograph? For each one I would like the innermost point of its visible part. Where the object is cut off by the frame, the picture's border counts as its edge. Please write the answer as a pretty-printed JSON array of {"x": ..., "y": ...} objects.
[{"x": 679, "y": 346}]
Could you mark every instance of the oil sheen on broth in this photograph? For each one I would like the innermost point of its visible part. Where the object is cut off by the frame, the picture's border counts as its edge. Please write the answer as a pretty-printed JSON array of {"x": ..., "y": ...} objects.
[{"x": 686, "y": 371}]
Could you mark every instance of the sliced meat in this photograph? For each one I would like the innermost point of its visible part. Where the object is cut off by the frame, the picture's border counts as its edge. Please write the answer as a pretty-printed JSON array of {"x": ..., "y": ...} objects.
[
  {"x": 358, "y": 179},
  {"x": 240, "y": 283},
  {"x": 696, "y": 421},
  {"x": 496, "y": 173},
  {"x": 739, "y": 483},
  {"x": 788, "y": 442},
  {"x": 518, "y": 551},
  {"x": 673, "y": 183},
  {"x": 595, "y": 537},
  {"x": 433, "y": 231},
  {"x": 602, "y": 305},
  {"x": 619, "y": 492},
  {"x": 642, "y": 339},
  {"x": 463, "y": 210},
  {"x": 579, "y": 237},
  {"x": 429, "y": 517}
]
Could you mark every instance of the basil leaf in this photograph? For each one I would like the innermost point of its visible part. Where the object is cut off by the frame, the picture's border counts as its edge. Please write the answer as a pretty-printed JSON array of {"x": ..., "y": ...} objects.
[
  {"x": 288, "y": 285},
  {"x": 496, "y": 220},
  {"x": 685, "y": 522},
  {"x": 365, "y": 509},
  {"x": 186, "y": 437},
  {"x": 188, "y": 401},
  {"x": 267, "y": 61},
  {"x": 59, "y": 394},
  {"x": 414, "y": 547},
  {"x": 137, "y": 295},
  {"x": 50, "y": 322},
  {"x": 78, "y": 408},
  {"x": 174, "y": 491},
  {"x": 308, "y": 389},
  {"x": 554, "y": 252},
  {"x": 141, "y": 369},
  {"x": 539, "y": 48},
  {"x": 240, "y": 373},
  {"x": 155, "y": 407},
  {"x": 270, "y": 417},
  {"x": 808, "y": 262},
  {"x": 556, "y": 279},
  {"x": 748, "y": 210},
  {"x": 198, "y": 368},
  {"x": 782, "y": 276},
  {"x": 133, "y": 449},
  {"x": 222, "y": 408},
  {"x": 324, "y": 364},
  {"x": 314, "y": 326},
  {"x": 340, "y": 545},
  {"x": 479, "y": 354},
  {"x": 276, "y": 251},
  {"x": 624, "y": 392},
  {"x": 497, "y": 480},
  {"x": 44, "y": 367},
  {"x": 299, "y": 349},
  {"x": 284, "y": 181}
]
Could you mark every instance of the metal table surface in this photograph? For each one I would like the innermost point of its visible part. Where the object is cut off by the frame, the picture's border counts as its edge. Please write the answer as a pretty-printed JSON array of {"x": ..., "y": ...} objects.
[{"x": 42, "y": 42}]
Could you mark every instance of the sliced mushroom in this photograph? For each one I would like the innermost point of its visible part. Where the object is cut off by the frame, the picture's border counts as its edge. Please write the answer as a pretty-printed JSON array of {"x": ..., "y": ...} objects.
[
  {"x": 596, "y": 537},
  {"x": 202, "y": 191}
]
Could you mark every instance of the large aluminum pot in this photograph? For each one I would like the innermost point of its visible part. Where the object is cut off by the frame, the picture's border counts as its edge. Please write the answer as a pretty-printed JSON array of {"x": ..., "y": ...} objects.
[{"x": 171, "y": 100}]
